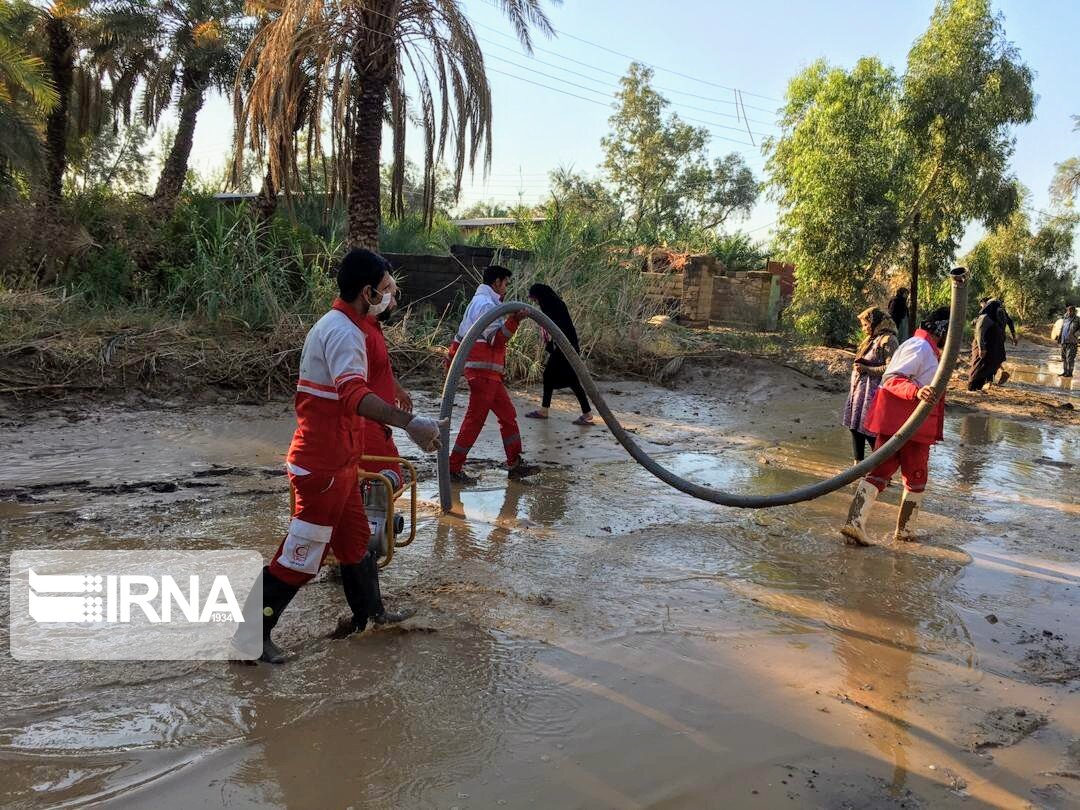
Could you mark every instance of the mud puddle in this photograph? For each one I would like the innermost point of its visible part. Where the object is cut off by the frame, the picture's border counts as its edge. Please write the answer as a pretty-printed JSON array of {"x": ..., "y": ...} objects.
[{"x": 589, "y": 638}]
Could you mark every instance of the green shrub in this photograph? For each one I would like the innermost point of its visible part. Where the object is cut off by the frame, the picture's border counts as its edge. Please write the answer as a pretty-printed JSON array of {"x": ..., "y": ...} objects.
[
  {"x": 830, "y": 321},
  {"x": 410, "y": 235}
]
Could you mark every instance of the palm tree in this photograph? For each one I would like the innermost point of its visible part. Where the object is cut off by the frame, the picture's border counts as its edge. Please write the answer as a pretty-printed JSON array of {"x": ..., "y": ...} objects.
[
  {"x": 181, "y": 49},
  {"x": 359, "y": 58},
  {"x": 27, "y": 94},
  {"x": 59, "y": 35}
]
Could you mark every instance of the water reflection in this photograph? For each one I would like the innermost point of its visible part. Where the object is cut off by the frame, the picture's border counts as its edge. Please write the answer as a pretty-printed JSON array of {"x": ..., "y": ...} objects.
[{"x": 481, "y": 521}]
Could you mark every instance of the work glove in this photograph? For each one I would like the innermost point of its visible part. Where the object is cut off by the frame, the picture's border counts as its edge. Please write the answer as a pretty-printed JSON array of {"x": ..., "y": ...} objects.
[{"x": 426, "y": 432}]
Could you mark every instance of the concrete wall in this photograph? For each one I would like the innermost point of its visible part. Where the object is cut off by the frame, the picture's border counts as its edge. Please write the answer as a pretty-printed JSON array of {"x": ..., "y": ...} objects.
[{"x": 439, "y": 282}]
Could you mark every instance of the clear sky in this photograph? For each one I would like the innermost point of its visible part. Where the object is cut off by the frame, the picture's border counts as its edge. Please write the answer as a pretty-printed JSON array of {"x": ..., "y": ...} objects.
[{"x": 701, "y": 50}]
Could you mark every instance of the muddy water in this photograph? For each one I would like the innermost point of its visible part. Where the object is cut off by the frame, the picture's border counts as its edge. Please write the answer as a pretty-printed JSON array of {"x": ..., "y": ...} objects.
[
  {"x": 1039, "y": 368},
  {"x": 588, "y": 639}
]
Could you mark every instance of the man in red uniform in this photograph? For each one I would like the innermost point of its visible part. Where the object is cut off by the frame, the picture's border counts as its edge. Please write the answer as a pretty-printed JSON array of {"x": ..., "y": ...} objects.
[
  {"x": 379, "y": 441},
  {"x": 335, "y": 405},
  {"x": 905, "y": 384},
  {"x": 484, "y": 373}
]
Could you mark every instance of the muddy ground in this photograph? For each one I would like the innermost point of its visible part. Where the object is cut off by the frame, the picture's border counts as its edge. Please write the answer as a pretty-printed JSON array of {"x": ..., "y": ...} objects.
[{"x": 590, "y": 638}]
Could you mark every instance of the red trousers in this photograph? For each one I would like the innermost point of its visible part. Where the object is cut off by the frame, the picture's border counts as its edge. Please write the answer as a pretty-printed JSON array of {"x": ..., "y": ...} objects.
[
  {"x": 329, "y": 514},
  {"x": 486, "y": 395},
  {"x": 913, "y": 461}
]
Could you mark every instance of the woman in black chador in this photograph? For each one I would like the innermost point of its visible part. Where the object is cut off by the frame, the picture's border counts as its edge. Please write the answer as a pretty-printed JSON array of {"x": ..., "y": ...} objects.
[{"x": 557, "y": 371}]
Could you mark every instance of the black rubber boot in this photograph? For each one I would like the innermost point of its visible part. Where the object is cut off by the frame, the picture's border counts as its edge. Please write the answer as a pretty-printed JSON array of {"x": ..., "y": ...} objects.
[
  {"x": 276, "y": 597},
  {"x": 373, "y": 593},
  {"x": 356, "y": 580}
]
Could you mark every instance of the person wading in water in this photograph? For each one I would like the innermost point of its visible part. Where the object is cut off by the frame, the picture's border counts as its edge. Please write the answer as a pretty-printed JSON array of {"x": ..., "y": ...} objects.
[
  {"x": 871, "y": 358},
  {"x": 904, "y": 385}
]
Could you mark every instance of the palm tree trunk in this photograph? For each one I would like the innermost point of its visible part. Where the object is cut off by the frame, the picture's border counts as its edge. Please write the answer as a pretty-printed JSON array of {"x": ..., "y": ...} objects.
[
  {"x": 62, "y": 68},
  {"x": 171, "y": 181},
  {"x": 363, "y": 203},
  {"x": 266, "y": 204}
]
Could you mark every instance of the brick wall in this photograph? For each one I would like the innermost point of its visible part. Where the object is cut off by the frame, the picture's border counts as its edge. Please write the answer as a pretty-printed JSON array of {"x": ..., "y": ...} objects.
[
  {"x": 706, "y": 293},
  {"x": 745, "y": 299},
  {"x": 664, "y": 291}
]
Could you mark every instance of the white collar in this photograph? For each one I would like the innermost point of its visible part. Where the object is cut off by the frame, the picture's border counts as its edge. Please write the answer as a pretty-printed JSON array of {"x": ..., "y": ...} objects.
[{"x": 486, "y": 291}]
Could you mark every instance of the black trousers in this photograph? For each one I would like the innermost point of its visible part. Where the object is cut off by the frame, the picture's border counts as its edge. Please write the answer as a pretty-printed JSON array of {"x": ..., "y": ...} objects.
[
  {"x": 553, "y": 380},
  {"x": 858, "y": 444}
]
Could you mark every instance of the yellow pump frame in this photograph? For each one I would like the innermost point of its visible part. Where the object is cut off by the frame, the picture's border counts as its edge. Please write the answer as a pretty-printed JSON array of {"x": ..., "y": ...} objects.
[{"x": 392, "y": 542}]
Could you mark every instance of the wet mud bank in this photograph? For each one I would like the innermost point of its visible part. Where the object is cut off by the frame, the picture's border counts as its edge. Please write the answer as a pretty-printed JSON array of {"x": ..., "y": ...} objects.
[{"x": 589, "y": 638}]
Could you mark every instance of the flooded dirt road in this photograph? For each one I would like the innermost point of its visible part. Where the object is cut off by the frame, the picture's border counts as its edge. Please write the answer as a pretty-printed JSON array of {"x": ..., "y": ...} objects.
[{"x": 590, "y": 638}]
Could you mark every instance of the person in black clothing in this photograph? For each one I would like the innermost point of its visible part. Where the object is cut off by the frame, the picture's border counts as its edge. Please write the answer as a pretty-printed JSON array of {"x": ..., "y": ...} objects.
[
  {"x": 558, "y": 372},
  {"x": 898, "y": 311},
  {"x": 988, "y": 347}
]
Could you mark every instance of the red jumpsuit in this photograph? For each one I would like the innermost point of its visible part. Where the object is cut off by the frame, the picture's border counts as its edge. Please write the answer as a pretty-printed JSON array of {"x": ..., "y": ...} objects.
[
  {"x": 911, "y": 368},
  {"x": 484, "y": 373},
  {"x": 339, "y": 352},
  {"x": 378, "y": 438}
]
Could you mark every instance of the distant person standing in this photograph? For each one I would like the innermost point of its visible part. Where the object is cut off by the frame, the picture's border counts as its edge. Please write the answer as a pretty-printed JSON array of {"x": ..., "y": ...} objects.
[
  {"x": 871, "y": 358},
  {"x": 1067, "y": 333},
  {"x": 898, "y": 311}
]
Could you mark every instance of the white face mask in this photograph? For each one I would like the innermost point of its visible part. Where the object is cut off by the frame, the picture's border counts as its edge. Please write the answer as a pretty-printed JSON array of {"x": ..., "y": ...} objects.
[{"x": 384, "y": 302}]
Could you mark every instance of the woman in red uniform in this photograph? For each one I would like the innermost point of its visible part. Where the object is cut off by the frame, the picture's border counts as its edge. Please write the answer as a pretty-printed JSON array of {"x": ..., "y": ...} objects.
[{"x": 904, "y": 385}]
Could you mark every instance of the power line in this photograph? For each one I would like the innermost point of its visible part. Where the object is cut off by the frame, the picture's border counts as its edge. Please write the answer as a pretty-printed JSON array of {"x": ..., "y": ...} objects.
[
  {"x": 604, "y": 104},
  {"x": 595, "y": 45},
  {"x": 618, "y": 75},
  {"x": 564, "y": 92},
  {"x": 649, "y": 64},
  {"x": 762, "y": 227},
  {"x": 610, "y": 92}
]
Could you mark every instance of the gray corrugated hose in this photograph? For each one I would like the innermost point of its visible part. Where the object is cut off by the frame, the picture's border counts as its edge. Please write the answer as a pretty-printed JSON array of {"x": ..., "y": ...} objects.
[{"x": 957, "y": 316}]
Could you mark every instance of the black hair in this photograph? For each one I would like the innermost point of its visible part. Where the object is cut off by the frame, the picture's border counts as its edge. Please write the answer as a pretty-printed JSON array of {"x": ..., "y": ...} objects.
[
  {"x": 901, "y": 290},
  {"x": 495, "y": 272},
  {"x": 358, "y": 269}
]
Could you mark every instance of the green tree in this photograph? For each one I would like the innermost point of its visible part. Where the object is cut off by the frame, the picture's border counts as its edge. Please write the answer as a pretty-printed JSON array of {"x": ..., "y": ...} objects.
[
  {"x": 365, "y": 56},
  {"x": 659, "y": 169},
  {"x": 116, "y": 157},
  {"x": 835, "y": 173},
  {"x": 55, "y": 35},
  {"x": 1032, "y": 270},
  {"x": 27, "y": 94},
  {"x": 484, "y": 209},
  {"x": 964, "y": 91},
  {"x": 412, "y": 200},
  {"x": 739, "y": 252},
  {"x": 872, "y": 170},
  {"x": 1066, "y": 183},
  {"x": 572, "y": 190},
  {"x": 179, "y": 50}
]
